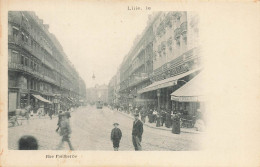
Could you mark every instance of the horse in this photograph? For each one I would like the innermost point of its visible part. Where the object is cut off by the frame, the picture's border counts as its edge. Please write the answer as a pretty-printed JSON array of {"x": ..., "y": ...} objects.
[
  {"x": 13, "y": 116},
  {"x": 23, "y": 112}
]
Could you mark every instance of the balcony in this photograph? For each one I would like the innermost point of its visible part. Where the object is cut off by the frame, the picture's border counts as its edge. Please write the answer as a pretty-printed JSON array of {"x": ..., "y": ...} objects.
[
  {"x": 138, "y": 79},
  {"x": 49, "y": 79},
  {"x": 191, "y": 55},
  {"x": 20, "y": 67}
]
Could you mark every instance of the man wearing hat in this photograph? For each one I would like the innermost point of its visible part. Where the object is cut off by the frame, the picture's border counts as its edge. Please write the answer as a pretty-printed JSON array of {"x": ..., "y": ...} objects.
[
  {"x": 116, "y": 136},
  {"x": 65, "y": 130},
  {"x": 137, "y": 133}
]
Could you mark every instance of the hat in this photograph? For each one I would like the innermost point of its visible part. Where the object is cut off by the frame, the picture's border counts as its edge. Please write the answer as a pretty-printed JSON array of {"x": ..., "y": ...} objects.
[{"x": 116, "y": 123}]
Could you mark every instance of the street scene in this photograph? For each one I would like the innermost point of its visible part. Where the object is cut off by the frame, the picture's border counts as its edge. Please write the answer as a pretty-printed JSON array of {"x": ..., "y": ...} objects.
[
  {"x": 91, "y": 130},
  {"x": 142, "y": 91}
]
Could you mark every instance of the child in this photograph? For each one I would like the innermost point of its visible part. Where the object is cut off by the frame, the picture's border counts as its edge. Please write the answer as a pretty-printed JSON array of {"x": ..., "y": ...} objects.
[{"x": 116, "y": 135}]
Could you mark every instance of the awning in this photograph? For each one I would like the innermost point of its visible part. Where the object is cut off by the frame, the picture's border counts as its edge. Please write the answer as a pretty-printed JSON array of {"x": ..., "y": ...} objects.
[
  {"x": 166, "y": 82},
  {"x": 39, "y": 97},
  {"x": 193, "y": 91}
]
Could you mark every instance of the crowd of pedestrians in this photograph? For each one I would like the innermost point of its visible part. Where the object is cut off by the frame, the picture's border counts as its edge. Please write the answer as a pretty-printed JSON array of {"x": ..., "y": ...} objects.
[{"x": 174, "y": 119}]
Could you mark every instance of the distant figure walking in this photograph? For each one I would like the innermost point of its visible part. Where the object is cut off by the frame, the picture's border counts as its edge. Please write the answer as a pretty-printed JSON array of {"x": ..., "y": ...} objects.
[
  {"x": 137, "y": 133},
  {"x": 116, "y": 136}
]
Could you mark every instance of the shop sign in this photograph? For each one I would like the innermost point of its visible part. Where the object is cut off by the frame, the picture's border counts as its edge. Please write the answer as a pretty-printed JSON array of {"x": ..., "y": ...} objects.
[{"x": 185, "y": 98}]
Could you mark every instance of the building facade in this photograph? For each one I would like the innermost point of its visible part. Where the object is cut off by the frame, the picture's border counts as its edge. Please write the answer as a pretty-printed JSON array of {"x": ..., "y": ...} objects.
[
  {"x": 164, "y": 58},
  {"x": 97, "y": 93},
  {"x": 39, "y": 72},
  {"x": 176, "y": 58},
  {"x": 112, "y": 91},
  {"x": 137, "y": 67}
]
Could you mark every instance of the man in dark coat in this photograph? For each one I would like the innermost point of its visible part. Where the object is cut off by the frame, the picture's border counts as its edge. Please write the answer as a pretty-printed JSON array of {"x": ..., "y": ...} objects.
[
  {"x": 65, "y": 130},
  {"x": 137, "y": 133},
  {"x": 163, "y": 117}
]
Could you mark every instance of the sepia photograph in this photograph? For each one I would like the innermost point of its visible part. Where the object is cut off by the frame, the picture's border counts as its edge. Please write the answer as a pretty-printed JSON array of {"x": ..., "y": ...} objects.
[
  {"x": 149, "y": 99},
  {"x": 90, "y": 83}
]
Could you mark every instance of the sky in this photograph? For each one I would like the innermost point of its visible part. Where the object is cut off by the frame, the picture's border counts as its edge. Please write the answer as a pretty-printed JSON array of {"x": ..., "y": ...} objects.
[{"x": 95, "y": 39}]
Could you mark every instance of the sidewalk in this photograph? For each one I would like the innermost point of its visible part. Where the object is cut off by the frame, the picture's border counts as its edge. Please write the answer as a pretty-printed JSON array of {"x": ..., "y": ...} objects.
[{"x": 153, "y": 125}]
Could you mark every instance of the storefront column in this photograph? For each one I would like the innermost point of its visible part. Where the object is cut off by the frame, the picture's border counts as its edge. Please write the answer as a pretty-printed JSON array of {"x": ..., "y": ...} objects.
[
  {"x": 18, "y": 98},
  {"x": 29, "y": 98},
  {"x": 159, "y": 99},
  {"x": 167, "y": 98}
]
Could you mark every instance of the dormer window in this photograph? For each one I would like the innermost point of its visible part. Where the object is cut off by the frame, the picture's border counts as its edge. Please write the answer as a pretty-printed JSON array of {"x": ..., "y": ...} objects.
[{"x": 178, "y": 41}]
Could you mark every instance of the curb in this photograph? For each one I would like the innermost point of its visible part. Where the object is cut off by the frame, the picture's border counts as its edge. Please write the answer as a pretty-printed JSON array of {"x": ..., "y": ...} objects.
[{"x": 183, "y": 131}]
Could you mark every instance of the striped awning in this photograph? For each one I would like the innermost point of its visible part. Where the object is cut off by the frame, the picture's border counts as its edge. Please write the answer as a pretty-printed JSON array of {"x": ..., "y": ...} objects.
[
  {"x": 39, "y": 97},
  {"x": 193, "y": 91},
  {"x": 166, "y": 82}
]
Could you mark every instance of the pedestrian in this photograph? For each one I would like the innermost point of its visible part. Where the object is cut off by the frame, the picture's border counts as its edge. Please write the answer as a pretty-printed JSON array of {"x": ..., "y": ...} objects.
[
  {"x": 116, "y": 136},
  {"x": 176, "y": 129},
  {"x": 158, "y": 119},
  {"x": 150, "y": 116},
  {"x": 59, "y": 120},
  {"x": 65, "y": 130},
  {"x": 137, "y": 133},
  {"x": 51, "y": 111},
  {"x": 168, "y": 119},
  {"x": 163, "y": 118},
  {"x": 154, "y": 115},
  {"x": 143, "y": 115}
]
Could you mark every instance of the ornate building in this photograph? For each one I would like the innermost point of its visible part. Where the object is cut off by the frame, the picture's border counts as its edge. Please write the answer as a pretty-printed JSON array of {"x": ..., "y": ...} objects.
[
  {"x": 39, "y": 72},
  {"x": 176, "y": 58},
  {"x": 137, "y": 67},
  {"x": 164, "y": 58}
]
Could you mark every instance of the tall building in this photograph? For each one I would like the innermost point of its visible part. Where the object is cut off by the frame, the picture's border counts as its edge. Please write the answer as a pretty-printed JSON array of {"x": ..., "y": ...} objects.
[
  {"x": 39, "y": 72},
  {"x": 176, "y": 58},
  {"x": 137, "y": 67},
  {"x": 112, "y": 91},
  {"x": 164, "y": 57}
]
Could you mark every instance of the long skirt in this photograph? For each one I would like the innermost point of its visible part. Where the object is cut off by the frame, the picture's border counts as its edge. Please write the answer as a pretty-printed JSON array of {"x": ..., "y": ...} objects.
[{"x": 176, "y": 129}]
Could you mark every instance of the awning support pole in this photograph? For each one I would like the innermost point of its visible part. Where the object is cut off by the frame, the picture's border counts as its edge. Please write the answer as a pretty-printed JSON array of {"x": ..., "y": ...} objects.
[{"x": 159, "y": 99}]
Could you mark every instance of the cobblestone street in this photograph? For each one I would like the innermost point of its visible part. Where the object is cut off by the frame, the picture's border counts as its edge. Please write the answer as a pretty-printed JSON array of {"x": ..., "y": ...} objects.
[{"x": 91, "y": 131}]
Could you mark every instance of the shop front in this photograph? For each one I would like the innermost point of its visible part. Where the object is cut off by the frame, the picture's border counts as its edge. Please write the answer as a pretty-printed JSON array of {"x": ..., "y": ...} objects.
[
  {"x": 161, "y": 90},
  {"x": 189, "y": 100},
  {"x": 41, "y": 105}
]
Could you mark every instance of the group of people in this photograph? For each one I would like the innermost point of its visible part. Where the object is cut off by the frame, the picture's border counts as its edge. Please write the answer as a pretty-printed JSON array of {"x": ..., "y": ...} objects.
[
  {"x": 162, "y": 118},
  {"x": 166, "y": 117},
  {"x": 137, "y": 132}
]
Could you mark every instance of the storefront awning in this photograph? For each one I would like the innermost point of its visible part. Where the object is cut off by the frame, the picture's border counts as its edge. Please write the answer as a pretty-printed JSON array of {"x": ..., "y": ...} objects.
[
  {"x": 39, "y": 97},
  {"x": 166, "y": 82},
  {"x": 193, "y": 91}
]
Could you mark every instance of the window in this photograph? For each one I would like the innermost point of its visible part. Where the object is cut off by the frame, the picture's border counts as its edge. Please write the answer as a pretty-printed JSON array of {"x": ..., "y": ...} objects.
[
  {"x": 178, "y": 41},
  {"x": 32, "y": 64},
  {"x": 15, "y": 31},
  {"x": 26, "y": 61},
  {"x": 26, "y": 39},
  {"x": 184, "y": 37},
  {"x": 22, "y": 60},
  {"x": 14, "y": 57},
  {"x": 23, "y": 36},
  {"x": 35, "y": 85},
  {"x": 31, "y": 84}
]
